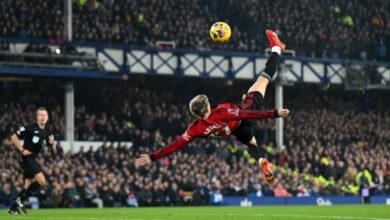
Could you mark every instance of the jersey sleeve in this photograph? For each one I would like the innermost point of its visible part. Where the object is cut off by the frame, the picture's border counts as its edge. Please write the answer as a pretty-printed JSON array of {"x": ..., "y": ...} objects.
[
  {"x": 180, "y": 141},
  {"x": 232, "y": 114},
  {"x": 23, "y": 131}
]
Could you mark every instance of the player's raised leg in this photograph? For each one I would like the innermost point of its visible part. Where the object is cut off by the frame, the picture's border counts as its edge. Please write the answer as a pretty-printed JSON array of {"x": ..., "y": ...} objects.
[
  {"x": 277, "y": 47},
  {"x": 255, "y": 152},
  {"x": 256, "y": 102}
]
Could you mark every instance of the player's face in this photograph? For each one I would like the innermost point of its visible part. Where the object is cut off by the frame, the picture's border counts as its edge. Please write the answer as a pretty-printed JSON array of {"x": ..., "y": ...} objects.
[{"x": 42, "y": 117}]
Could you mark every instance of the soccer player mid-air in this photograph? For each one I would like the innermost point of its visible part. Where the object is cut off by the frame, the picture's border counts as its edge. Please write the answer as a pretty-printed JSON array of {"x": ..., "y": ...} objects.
[
  {"x": 33, "y": 136},
  {"x": 229, "y": 118}
]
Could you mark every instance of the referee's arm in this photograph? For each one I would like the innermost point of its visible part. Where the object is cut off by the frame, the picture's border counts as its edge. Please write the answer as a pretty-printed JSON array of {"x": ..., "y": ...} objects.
[{"x": 16, "y": 141}]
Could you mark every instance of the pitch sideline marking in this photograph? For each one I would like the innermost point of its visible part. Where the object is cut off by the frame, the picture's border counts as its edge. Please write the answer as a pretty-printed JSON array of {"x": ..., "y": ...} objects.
[
  {"x": 329, "y": 216},
  {"x": 219, "y": 214},
  {"x": 84, "y": 218}
]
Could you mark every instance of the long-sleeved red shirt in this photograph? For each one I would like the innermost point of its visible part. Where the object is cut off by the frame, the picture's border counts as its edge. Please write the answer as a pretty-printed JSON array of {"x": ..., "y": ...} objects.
[{"x": 222, "y": 121}]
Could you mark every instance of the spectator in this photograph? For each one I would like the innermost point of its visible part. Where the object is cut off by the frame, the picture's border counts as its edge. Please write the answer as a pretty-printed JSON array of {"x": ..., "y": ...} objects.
[
  {"x": 71, "y": 196},
  {"x": 216, "y": 197},
  {"x": 280, "y": 191},
  {"x": 92, "y": 196}
]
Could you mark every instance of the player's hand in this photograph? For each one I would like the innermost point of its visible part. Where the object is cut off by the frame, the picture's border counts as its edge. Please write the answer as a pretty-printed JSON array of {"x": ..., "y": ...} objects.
[
  {"x": 51, "y": 139},
  {"x": 26, "y": 152},
  {"x": 143, "y": 160},
  {"x": 283, "y": 113}
]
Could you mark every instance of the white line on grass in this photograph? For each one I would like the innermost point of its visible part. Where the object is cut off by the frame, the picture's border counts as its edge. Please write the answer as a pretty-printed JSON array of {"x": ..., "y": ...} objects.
[
  {"x": 329, "y": 216},
  {"x": 288, "y": 215},
  {"x": 215, "y": 214},
  {"x": 83, "y": 218}
]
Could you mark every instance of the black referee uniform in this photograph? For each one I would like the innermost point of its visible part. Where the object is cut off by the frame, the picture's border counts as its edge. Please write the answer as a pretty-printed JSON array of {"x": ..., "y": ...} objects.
[{"x": 34, "y": 138}]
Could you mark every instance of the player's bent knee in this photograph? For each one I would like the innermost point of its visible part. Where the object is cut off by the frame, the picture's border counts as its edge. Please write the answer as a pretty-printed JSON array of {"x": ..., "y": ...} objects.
[
  {"x": 43, "y": 183},
  {"x": 260, "y": 85},
  {"x": 40, "y": 178}
]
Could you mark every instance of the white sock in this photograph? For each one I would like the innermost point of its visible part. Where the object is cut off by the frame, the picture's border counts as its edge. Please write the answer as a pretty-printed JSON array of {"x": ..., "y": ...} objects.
[{"x": 276, "y": 49}]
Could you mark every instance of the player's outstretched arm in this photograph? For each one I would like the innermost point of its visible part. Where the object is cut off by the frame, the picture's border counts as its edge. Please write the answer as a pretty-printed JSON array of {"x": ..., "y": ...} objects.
[
  {"x": 175, "y": 145},
  {"x": 234, "y": 114}
]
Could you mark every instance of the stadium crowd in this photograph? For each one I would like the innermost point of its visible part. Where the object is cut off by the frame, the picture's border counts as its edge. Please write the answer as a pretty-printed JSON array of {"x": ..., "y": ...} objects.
[
  {"x": 336, "y": 143},
  {"x": 355, "y": 29}
]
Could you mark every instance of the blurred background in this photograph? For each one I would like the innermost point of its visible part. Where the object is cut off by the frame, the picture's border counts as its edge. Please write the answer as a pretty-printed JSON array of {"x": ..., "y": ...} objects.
[{"x": 117, "y": 76}]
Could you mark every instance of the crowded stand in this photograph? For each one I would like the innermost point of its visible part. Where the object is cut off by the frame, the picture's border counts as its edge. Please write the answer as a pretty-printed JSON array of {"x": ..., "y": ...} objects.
[
  {"x": 316, "y": 159},
  {"x": 323, "y": 29}
]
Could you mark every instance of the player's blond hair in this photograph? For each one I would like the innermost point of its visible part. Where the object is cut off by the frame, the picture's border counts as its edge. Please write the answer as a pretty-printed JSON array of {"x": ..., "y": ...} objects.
[
  {"x": 199, "y": 105},
  {"x": 42, "y": 109}
]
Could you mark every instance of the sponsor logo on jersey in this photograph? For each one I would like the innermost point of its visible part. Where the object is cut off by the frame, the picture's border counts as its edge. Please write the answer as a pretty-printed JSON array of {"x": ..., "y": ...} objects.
[
  {"x": 226, "y": 129},
  {"x": 36, "y": 132}
]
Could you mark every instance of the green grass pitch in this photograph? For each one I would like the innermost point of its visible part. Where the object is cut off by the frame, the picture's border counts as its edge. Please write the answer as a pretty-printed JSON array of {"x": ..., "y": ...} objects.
[{"x": 358, "y": 212}]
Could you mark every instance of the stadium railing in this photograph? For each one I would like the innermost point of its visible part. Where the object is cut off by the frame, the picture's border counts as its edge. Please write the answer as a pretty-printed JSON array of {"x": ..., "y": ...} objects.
[{"x": 205, "y": 63}]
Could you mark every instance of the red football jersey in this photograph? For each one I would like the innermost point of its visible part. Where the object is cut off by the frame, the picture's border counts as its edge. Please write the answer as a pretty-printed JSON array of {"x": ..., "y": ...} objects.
[{"x": 222, "y": 121}]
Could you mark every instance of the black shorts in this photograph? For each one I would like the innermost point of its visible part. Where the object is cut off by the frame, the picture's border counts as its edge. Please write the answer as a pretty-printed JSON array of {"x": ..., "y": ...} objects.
[
  {"x": 30, "y": 167},
  {"x": 253, "y": 101}
]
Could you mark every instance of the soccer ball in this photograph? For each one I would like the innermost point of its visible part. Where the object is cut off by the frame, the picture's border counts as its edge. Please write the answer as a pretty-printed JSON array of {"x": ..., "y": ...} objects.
[{"x": 220, "y": 32}]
